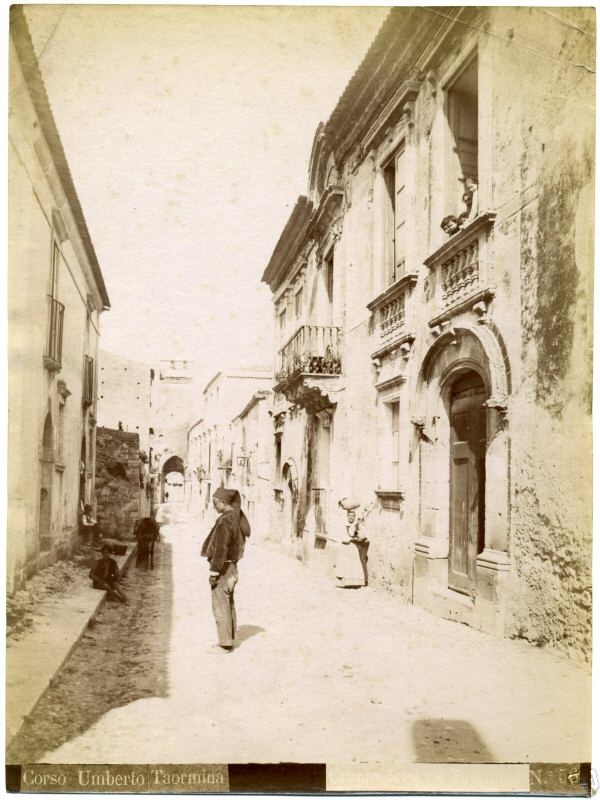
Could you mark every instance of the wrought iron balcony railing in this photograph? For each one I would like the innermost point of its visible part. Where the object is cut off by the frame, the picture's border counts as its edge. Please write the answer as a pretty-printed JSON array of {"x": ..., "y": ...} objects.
[
  {"x": 54, "y": 336},
  {"x": 312, "y": 350},
  {"x": 87, "y": 398}
]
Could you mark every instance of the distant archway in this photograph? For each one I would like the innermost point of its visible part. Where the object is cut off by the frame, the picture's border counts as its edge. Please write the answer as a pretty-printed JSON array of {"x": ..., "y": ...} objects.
[{"x": 172, "y": 488}]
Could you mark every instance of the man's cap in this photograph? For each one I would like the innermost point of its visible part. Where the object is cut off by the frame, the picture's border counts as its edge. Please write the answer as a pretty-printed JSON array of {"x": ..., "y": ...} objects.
[{"x": 228, "y": 496}]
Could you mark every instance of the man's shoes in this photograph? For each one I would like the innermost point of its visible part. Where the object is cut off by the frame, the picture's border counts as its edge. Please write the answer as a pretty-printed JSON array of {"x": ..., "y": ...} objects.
[{"x": 219, "y": 649}]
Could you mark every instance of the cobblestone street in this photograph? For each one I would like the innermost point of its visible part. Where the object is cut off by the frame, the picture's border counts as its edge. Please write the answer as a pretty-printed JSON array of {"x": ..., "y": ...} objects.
[{"x": 321, "y": 674}]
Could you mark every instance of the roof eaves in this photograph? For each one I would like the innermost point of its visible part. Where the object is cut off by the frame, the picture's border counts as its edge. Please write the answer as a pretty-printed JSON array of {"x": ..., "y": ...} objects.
[
  {"x": 289, "y": 242},
  {"x": 24, "y": 46}
]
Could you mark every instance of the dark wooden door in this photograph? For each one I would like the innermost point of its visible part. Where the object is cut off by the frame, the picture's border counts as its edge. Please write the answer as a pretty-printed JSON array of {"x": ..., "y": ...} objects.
[{"x": 467, "y": 481}]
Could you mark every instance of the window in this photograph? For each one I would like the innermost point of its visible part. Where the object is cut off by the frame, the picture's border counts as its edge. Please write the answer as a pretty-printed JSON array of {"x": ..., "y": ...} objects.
[
  {"x": 462, "y": 111},
  {"x": 54, "y": 270},
  {"x": 329, "y": 277},
  {"x": 395, "y": 212},
  {"x": 298, "y": 297},
  {"x": 395, "y": 442}
]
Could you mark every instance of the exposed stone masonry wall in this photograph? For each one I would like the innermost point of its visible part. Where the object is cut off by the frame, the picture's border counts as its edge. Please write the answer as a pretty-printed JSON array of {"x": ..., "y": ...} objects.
[{"x": 117, "y": 481}]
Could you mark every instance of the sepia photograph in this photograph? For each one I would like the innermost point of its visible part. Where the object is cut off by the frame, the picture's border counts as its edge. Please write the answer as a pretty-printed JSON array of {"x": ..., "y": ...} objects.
[{"x": 299, "y": 452}]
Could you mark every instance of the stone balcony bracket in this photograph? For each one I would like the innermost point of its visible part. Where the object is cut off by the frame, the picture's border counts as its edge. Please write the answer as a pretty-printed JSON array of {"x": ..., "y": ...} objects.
[
  {"x": 477, "y": 303},
  {"x": 403, "y": 345}
]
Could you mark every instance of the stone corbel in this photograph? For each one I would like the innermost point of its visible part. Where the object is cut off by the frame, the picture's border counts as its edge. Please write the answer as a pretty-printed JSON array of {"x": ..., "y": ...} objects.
[
  {"x": 337, "y": 229},
  {"x": 447, "y": 327},
  {"x": 61, "y": 388},
  {"x": 431, "y": 79},
  {"x": 499, "y": 404},
  {"x": 481, "y": 309},
  {"x": 406, "y": 349},
  {"x": 319, "y": 256},
  {"x": 359, "y": 157},
  {"x": 436, "y": 331},
  {"x": 428, "y": 434}
]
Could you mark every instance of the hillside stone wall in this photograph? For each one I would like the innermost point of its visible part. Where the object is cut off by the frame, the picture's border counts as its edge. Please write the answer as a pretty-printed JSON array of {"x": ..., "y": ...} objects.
[{"x": 118, "y": 470}]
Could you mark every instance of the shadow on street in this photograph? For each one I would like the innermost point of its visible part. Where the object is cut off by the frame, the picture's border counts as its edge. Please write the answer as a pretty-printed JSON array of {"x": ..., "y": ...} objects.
[
  {"x": 245, "y": 632},
  {"x": 448, "y": 741}
]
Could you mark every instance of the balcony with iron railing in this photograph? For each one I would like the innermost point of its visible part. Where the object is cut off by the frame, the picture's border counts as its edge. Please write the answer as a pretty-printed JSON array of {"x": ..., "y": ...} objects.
[
  {"x": 54, "y": 335},
  {"x": 87, "y": 397},
  {"x": 309, "y": 367}
]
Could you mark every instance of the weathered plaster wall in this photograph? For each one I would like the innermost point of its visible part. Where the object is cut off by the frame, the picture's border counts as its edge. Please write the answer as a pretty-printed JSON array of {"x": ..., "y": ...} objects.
[{"x": 35, "y": 193}]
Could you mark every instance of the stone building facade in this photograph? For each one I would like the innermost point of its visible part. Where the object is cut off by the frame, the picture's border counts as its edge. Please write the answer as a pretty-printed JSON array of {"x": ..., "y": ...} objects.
[
  {"x": 432, "y": 297},
  {"x": 251, "y": 460},
  {"x": 215, "y": 440},
  {"x": 56, "y": 294}
]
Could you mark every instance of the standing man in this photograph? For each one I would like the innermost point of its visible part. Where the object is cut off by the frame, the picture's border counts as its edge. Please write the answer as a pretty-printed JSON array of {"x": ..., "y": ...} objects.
[{"x": 223, "y": 547}]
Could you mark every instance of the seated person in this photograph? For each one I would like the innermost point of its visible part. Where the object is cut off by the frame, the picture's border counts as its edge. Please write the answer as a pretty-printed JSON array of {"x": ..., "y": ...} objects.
[{"x": 105, "y": 574}]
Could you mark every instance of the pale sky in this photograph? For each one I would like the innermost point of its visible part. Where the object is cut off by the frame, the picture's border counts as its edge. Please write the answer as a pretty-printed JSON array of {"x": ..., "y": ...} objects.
[{"x": 188, "y": 131}]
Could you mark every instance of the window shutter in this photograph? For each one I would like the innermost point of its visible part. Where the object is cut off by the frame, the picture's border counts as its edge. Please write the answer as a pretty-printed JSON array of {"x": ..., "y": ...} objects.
[{"x": 400, "y": 217}]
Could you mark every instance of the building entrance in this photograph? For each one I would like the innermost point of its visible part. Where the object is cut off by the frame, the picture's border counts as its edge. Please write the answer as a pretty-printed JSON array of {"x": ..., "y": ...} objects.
[{"x": 467, "y": 480}]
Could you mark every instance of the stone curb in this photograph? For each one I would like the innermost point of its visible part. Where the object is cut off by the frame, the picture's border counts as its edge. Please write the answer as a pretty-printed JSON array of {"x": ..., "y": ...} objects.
[{"x": 123, "y": 563}]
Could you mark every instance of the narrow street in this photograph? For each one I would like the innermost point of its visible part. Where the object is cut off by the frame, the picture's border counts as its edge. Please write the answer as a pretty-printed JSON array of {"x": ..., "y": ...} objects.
[{"x": 321, "y": 674}]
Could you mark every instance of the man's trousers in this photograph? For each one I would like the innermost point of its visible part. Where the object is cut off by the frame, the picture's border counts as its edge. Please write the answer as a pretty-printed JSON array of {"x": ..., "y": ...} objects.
[{"x": 223, "y": 605}]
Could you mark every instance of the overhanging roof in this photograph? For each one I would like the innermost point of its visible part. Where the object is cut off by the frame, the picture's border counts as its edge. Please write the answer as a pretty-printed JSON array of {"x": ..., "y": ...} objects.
[{"x": 289, "y": 244}]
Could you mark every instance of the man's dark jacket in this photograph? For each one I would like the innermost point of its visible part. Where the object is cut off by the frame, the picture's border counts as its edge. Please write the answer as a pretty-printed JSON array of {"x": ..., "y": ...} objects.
[
  {"x": 225, "y": 542},
  {"x": 106, "y": 571}
]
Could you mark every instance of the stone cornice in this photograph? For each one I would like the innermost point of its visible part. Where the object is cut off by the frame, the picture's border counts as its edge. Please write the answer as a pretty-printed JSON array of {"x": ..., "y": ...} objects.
[
  {"x": 327, "y": 212},
  {"x": 290, "y": 243},
  {"x": 397, "y": 288},
  {"x": 396, "y": 56}
]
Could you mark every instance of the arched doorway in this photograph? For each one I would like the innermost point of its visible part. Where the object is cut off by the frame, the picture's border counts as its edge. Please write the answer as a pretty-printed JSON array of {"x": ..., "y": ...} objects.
[
  {"x": 468, "y": 443},
  {"x": 173, "y": 474},
  {"x": 46, "y": 478},
  {"x": 461, "y": 463}
]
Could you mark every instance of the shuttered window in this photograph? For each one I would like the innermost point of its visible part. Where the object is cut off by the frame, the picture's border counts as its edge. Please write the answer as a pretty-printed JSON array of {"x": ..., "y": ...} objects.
[{"x": 396, "y": 211}]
